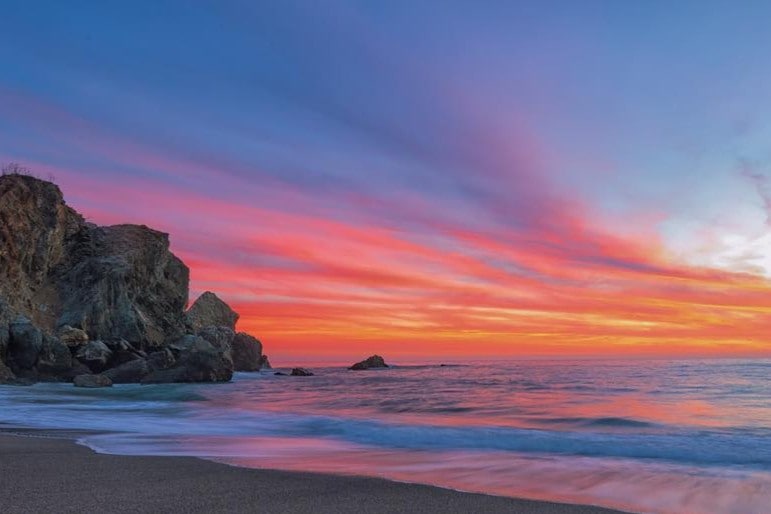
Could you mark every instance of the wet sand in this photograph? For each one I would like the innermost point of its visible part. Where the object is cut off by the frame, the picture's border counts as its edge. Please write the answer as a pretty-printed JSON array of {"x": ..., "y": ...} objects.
[{"x": 55, "y": 475}]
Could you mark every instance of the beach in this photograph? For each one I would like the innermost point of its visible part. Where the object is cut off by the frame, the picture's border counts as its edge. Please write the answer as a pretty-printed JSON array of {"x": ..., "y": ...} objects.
[{"x": 54, "y": 474}]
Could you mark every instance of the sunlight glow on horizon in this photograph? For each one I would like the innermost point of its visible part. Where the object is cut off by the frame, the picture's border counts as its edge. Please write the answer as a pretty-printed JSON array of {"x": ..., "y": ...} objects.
[{"x": 418, "y": 180}]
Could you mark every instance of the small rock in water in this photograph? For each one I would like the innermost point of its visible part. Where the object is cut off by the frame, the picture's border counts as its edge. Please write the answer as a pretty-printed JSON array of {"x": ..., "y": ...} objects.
[
  {"x": 376, "y": 361},
  {"x": 92, "y": 381},
  {"x": 301, "y": 372}
]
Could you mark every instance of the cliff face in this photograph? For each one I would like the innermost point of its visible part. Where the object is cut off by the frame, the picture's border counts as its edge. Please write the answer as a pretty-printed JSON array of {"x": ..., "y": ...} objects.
[{"x": 66, "y": 284}]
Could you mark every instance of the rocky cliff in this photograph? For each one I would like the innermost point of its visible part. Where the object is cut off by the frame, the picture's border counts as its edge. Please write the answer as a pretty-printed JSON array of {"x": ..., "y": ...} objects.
[{"x": 79, "y": 299}]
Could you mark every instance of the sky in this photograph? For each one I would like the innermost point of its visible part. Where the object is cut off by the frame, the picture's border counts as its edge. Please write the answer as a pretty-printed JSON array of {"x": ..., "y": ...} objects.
[{"x": 425, "y": 180}]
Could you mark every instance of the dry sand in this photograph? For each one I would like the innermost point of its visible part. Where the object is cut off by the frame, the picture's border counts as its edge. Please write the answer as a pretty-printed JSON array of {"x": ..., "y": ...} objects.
[{"x": 55, "y": 475}]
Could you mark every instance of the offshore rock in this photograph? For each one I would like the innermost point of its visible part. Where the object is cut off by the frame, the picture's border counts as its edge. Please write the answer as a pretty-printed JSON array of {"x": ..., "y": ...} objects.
[
  {"x": 301, "y": 372},
  {"x": 247, "y": 353},
  {"x": 209, "y": 311},
  {"x": 376, "y": 361}
]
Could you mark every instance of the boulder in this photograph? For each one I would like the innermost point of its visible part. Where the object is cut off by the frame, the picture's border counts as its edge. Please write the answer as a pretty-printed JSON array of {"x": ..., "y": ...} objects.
[
  {"x": 24, "y": 343},
  {"x": 92, "y": 381},
  {"x": 129, "y": 372},
  {"x": 55, "y": 359},
  {"x": 72, "y": 337},
  {"x": 264, "y": 363},
  {"x": 247, "y": 353},
  {"x": 280, "y": 374},
  {"x": 95, "y": 355},
  {"x": 301, "y": 372},
  {"x": 375, "y": 361},
  {"x": 196, "y": 360},
  {"x": 209, "y": 311},
  {"x": 162, "y": 359}
]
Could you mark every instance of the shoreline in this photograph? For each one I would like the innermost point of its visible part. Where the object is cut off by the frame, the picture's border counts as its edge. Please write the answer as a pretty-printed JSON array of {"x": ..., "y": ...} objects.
[{"x": 47, "y": 471}]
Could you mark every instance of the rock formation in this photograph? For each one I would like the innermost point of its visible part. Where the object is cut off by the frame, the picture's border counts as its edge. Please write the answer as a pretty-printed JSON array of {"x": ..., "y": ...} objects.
[
  {"x": 375, "y": 361},
  {"x": 80, "y": 300},
  {"x": 301, "y": 372}
]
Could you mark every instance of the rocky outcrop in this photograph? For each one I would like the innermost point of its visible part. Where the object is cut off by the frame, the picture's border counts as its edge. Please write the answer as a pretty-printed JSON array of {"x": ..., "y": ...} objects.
[
  {"x": 78, "y": 299},
  {"x": 209, "y": 311},
  {"x": 125, "y": 284},
  {"x": 247, "y": 353},
  {"x": 375, "y": 361},
  {"x": 194, "y": 360},
  {"x": 301, "y": 372}
]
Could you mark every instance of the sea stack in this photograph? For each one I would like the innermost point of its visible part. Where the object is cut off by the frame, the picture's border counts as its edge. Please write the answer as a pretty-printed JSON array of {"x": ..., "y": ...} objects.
[
  {"x": 375, "y": 361},
  {"x": 79, "y": 299}
]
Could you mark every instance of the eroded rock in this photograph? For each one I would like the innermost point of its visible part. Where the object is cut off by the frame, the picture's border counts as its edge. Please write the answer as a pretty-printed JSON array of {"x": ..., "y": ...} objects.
[
  {"x": 209, "y": 311},
  {"x": 247, "y": 353}
]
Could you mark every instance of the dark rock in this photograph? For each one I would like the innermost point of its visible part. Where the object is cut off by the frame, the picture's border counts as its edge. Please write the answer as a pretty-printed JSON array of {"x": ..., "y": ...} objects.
[
  {"x": 24, "y": 344},
  {"x": 5, "y": 337},
  {"x": 247, "y": 353},
  {"x": 128, "y": 373},
  {"x": 197, "y": 360},
  {"x": 162, "y": 359},
  {"x": 72, "y": 337},
  {"x": 92, "y": 381},
  {"x": 301, "y": 372},
  {"x": 55, "y": 358},
  {"x": 280, "y": 374},
  {"x": 122, "y": 352},
  {"x": 126, "y": 284},
  {"x": 219, "y": 337},
  {"x": 265, "y": 363},
  {"x": 209, "y": 311},
  {"x": 119, "y": 284},
  {"x": 376, "y": 361},
  {"x": 95, "y": 355},
  {"x": 6, "y": 375}
]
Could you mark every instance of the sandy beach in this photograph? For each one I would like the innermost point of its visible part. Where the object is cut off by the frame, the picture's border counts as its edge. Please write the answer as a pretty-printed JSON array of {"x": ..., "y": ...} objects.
[{"x": 52, "y": 474}]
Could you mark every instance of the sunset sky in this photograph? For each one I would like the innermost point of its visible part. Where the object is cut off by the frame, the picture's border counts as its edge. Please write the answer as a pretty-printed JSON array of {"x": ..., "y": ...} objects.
[{"x": 432, "y": 179}]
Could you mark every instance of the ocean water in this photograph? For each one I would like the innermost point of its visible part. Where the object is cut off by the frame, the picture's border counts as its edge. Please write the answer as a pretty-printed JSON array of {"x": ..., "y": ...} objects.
[{"x": 643, "y": 436}]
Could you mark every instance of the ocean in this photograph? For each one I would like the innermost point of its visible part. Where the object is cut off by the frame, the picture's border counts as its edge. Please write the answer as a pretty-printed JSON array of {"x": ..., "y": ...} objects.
[{"x": 690, "y": 436}]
